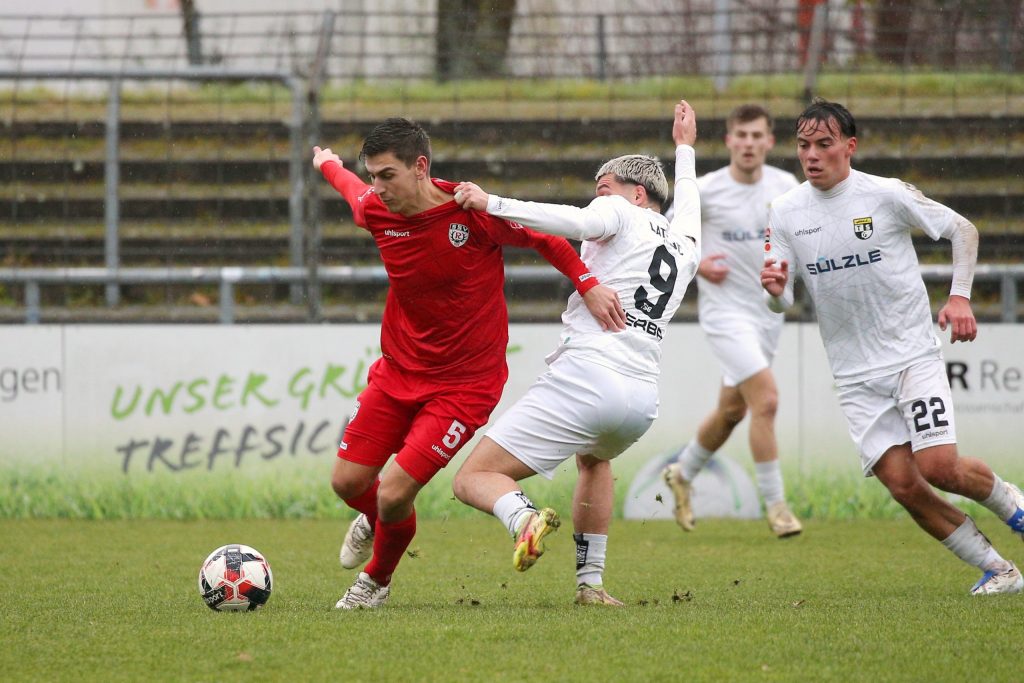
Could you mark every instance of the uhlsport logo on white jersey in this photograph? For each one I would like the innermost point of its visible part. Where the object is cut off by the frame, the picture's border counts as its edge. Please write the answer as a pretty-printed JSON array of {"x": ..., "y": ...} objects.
[
  {"x": 863, "y": 228},
  {"x": 458, "y": 234}
]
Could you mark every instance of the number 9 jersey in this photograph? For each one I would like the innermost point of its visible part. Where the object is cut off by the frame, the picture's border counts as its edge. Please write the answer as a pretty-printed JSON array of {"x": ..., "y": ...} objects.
[
  {"x": 635, "y": 251},
  {"x": 649, "y": 266}
]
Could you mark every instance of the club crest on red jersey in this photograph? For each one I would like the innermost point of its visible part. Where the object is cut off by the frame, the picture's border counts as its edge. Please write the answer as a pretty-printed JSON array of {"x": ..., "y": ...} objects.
[
  {"x": 863, "y": 228},
  {"x": 458, "y": 234}
]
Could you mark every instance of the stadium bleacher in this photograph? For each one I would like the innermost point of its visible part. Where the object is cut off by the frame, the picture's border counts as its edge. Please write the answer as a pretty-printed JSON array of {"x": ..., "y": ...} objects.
[{"x": 213, "y": 192}]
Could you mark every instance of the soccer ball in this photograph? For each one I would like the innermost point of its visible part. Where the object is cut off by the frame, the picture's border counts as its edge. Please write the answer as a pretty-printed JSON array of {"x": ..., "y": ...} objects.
[{"x": 235, "y": 578}]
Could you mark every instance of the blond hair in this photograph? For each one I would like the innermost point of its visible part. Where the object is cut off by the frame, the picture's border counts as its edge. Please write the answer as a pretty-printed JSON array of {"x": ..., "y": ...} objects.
[{"x": 639, "y": 169}]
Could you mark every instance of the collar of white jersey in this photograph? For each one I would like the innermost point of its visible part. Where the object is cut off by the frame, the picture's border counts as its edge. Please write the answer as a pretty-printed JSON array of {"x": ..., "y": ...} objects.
[{"x": 837, "y": 189}]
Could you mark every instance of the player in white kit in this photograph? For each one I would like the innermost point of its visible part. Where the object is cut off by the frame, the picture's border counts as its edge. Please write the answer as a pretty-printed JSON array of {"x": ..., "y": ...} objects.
[
  {"x": 742, "y": 332},
  {"x": 847, "y": 234},
  {"x": 600, "y": 392}
]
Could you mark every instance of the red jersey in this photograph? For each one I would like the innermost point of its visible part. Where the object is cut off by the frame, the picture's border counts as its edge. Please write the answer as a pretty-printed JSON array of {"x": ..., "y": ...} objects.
[{"x": 445, "y": 314}]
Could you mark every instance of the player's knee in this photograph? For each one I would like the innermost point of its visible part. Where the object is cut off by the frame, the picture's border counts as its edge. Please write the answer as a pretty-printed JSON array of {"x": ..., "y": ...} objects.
[
  {"x": 393, "y": 508},
  {"x": 907, "y": 491},
  {"x": 941, "y": 467},
  {"x": 460, "y": 486},
  {"x": 766, "y": 406},
  {"x": 346, "y": 487},
  {"x": 350, "y": 481},
  {"x": 387, "y": 506},
  {"x": 733, "y": 413},
  {"x": 395, "y": 501},
  {"x": 942, "y": 477}
]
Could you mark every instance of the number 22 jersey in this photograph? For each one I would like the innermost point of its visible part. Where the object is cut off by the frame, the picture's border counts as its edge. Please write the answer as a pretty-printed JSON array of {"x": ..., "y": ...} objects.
[{"x": 852, "y": 247}]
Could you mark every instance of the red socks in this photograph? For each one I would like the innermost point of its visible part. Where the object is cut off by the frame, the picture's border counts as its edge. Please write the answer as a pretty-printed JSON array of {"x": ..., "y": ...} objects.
[
  {"x": 366, "y": 502},
  {"x": 389, "y": 542}
]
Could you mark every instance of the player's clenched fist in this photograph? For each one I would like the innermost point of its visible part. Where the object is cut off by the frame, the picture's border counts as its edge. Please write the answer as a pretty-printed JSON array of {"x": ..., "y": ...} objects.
[
  {"x": 320, "y": 156},
  {"x": 774, "y": 278},
  {"x": 470, "y": 197}
]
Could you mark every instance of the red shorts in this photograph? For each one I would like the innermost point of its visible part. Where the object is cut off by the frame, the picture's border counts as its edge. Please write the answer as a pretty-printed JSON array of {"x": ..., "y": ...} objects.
[{"x": 424, "y": 421}]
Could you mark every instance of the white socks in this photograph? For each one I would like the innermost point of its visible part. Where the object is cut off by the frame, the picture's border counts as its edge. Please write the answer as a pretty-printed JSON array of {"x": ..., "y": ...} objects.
[
  {"x": 590, "y": 553},
  {"x": 692, "y": 459},
  {"x": 511, "y": 508},
  {"x": 971, "y": 546},
  {"x": 768, "y": 474},
  {"x": 769, "y": 481},
  {"x": 1000, "y": 501}
]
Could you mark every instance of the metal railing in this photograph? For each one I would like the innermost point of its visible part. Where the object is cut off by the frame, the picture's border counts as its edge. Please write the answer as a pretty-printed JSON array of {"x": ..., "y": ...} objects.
[
  {"x": 1009, "y": 277},
  {"x": 318, "y": 54},
  {"x": 112, "y": 156}
]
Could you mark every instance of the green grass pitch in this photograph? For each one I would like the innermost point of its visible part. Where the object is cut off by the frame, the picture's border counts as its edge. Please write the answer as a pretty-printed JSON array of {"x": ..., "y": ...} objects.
[{"x": 871, "y": 599}]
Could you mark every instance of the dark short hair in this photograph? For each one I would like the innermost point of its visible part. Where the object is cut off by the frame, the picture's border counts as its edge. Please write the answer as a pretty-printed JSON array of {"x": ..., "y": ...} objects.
[
  {"x": 745, "y": 113},
  {"x": 821, "y": 112},
  {"x": 402, "y": 137}
]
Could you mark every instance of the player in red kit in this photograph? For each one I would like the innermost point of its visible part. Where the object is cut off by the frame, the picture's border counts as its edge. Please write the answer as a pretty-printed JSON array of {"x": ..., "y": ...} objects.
[{"x": 444, "y": 335}]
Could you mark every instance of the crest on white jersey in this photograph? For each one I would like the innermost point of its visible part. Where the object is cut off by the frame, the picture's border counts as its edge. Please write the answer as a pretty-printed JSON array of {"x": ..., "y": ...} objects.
[
  {"x": 863, "y": 228},
  {"x": 458, "y": 234}
]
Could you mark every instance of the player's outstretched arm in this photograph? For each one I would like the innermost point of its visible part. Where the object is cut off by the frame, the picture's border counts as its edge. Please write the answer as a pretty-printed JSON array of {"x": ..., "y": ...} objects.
[
  {"x": 560, "y": 220},
  {"x": 686, "y": 206},
  {"x": 602, "y": 302},
  {"x": 347, "y": 183}
]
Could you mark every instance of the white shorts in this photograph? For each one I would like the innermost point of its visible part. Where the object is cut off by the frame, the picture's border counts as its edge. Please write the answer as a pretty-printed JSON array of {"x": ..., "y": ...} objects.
[
  {"x": 745, "y": 350},
  {"x": 576, "y": 406},
  {"x": 913, "y": 405}
]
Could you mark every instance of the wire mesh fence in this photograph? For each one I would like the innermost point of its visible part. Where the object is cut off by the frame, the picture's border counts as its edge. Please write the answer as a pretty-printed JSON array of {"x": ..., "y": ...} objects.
[
  {"x": 532, "y": 39},
  {"x": 528, "y": 102}
]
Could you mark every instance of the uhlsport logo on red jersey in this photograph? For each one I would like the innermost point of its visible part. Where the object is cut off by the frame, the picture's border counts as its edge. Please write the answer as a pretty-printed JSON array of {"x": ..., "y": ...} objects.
[{"x": 458, "y": 234}]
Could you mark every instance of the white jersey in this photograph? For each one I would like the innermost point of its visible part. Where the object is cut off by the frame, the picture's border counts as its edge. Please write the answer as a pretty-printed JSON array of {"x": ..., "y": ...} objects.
[
  {"x": 733, "y": 218},
  {"x": 852, "y": 247},
  {"x": 636, "y": 252}
]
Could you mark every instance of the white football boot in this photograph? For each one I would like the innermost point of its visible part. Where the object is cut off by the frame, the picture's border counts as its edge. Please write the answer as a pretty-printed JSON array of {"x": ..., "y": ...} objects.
[
  {"x": 1016, "y": 520},
  {"x": 587, "y": 594},
  {"x": 365, "y": 593},
  {"x": 680, "y": 488},
  {"x": 1005, "y": 581},
  {"x": 782, "y": 521},
  {"x": 358, "y": 545}
]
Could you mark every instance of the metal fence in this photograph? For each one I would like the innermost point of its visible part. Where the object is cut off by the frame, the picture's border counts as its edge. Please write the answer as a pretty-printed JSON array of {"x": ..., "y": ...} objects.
[
  {"x": 564, "y": 38},
  {"x": 1006, "y": 277},
  {"x": 131, "y": 140}
]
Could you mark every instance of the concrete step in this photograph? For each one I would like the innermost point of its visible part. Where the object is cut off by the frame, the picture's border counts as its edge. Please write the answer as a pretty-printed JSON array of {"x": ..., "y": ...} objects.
[
  {"x": 556, "y": 130},
  {"x": 263, "y": 170},
  {"x": 28, "y": 207}
]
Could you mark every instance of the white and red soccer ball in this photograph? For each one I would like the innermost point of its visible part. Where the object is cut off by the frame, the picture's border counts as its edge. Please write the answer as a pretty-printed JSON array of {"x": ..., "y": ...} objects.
[{"x": 235, "y": 578}]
